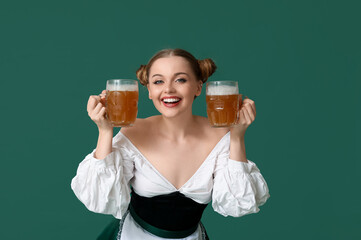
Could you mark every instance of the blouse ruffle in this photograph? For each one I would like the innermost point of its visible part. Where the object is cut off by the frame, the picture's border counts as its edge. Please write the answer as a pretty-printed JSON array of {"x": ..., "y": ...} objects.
[{"x": 103, "y": 186}]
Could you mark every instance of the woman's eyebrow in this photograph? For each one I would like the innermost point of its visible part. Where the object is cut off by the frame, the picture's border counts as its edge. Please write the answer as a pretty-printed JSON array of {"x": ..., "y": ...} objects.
[
  {"x": 179, "y": 73},
  {"x": 157, "y": 75},
  {"x": 176, "y": 74}
]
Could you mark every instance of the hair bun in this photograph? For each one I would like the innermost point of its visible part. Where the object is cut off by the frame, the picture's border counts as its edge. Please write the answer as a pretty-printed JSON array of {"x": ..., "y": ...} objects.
[
  {"x": 142, "y": 74},
  {"x": 207, "y": 67}
]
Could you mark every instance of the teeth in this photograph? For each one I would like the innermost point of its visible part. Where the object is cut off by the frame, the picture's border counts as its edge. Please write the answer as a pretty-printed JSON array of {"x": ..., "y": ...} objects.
[{"x": 171, "y": 100}]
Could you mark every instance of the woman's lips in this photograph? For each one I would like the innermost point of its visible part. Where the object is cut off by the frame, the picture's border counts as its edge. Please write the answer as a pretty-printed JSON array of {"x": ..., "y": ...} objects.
[{"x": 171, "y": 101}]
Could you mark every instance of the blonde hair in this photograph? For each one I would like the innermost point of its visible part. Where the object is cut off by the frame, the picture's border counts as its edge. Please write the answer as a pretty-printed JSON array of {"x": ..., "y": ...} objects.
[{"x": 202, "y": 69}]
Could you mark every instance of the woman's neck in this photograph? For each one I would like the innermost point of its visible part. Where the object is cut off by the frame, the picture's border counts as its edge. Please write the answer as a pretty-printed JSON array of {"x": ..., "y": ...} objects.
[{"x": 177, "y": 128}]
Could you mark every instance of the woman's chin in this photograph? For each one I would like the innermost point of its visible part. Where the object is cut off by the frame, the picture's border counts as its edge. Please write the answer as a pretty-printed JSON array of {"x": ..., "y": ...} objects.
[{"x": 170, "y": 113}]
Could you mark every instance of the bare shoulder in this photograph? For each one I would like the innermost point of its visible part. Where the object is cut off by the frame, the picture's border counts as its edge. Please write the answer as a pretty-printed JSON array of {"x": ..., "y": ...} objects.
[
  {"x": 209, "y": 131},
  {"x": 141, "y": 128}
]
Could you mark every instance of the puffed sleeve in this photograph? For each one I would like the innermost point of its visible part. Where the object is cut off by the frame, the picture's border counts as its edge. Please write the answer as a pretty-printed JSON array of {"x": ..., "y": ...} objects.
[
  {"x": 103, "y": 185},
  {"x": 239, "y": 188}
]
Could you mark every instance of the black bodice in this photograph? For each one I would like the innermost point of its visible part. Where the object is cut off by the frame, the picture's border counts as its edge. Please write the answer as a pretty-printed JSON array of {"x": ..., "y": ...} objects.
[{"x": 171, "y": 212}]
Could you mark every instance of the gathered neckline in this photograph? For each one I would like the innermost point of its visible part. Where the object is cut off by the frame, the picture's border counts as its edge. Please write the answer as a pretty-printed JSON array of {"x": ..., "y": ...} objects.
[{"x": 161, "y": 175}]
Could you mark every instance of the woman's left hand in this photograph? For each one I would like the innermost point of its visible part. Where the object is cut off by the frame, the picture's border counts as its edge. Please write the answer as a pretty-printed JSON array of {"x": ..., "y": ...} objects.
[{"x": 247, "y": 114}]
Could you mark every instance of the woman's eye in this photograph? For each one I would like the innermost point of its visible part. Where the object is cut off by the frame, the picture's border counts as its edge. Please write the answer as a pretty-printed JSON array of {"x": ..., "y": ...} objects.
[
  {"x": 157, "y": 81},
  {"x": 182, "y": 80}
]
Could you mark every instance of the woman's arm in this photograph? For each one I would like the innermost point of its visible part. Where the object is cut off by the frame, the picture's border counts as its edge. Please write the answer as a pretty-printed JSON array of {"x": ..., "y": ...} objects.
[
  {"x": 237, "y": 149},
  {"x": 247, "y": 114},
  {"x": 239, "y": 187},
  {"x": 104, "y": 145},
  {"x": 96, "y": 111},
  {"x": 103, "y": 185}
]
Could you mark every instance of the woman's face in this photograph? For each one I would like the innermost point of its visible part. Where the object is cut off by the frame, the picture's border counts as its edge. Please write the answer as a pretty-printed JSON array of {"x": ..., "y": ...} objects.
[{"x": 173, "y": 85}]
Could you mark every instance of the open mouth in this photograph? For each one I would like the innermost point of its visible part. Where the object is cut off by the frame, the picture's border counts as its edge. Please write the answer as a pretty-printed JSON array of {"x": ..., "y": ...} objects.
[{"x": 171, "y": 101}]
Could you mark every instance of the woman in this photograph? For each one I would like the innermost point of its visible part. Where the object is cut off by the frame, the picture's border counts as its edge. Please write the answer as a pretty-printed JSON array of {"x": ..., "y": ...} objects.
[{"x": 160, "y": 174}]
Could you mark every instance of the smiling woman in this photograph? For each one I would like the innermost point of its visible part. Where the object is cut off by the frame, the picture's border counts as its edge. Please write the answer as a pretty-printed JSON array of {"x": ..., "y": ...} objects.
[
  {"x": 173, "y": 85},
  {"x": 158, "y": 176}
]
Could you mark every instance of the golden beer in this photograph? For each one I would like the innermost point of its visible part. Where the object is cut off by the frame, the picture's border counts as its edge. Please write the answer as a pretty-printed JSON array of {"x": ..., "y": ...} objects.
[
  {"x": 222, "y": 103},
  {"x": 122, "y": 103},
  {"x": 222, "y": 110}
]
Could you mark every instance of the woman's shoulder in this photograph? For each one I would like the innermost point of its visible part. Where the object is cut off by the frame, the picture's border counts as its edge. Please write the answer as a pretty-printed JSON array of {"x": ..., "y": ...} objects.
[
  {"x": 208, "y": 130},
  {"x": 141, "y": 127}
]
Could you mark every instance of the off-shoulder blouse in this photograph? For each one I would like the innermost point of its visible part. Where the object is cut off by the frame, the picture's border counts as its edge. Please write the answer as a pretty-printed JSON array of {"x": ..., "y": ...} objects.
[{"x": 103, "y": 186}]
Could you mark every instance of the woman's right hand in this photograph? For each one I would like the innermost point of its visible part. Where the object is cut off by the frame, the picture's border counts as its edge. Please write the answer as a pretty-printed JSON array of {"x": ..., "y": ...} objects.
[{"x": 96, "y": 112}]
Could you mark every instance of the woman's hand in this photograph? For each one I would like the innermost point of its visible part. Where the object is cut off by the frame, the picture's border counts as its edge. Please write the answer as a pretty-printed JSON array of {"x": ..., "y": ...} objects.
[
  {"x": 96, "y": 111},
  {"x": 247, "y": 115}
]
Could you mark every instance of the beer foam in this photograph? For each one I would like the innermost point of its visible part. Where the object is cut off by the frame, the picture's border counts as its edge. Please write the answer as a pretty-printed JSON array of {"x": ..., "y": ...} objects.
[
  {"x": 222, "y": 90},
  {"x": 125, "y": 87}
]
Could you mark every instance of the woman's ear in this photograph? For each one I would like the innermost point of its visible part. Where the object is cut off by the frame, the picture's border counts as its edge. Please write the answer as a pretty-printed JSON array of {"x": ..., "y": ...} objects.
[
  {"x": 149, "y": 95},
  {"x": 199, "y": 88}
]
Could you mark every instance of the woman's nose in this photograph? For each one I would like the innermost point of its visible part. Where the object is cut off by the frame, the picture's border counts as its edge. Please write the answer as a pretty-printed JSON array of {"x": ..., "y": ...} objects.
[{"x": 169, "y": 87}]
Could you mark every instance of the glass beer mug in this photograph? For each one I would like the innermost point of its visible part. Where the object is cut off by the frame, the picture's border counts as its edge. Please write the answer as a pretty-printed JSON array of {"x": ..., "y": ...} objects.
[
  {"x": 222, "y": 100},
  {"x": 122, "y": 102}
]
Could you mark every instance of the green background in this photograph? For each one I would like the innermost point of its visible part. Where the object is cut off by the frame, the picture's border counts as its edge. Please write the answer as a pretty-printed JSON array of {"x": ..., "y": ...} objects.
[{"x": 300, "y": 61}]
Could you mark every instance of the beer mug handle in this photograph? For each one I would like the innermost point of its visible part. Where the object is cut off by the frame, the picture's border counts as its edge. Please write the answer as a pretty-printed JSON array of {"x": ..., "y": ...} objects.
[
  {"x": 240, "y": 102},
  {"x": 103, "y": 99}
]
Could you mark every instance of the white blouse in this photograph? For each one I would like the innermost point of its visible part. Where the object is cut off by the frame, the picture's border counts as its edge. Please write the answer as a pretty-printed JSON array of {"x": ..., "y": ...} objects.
[{"x": 103, "y": 186}]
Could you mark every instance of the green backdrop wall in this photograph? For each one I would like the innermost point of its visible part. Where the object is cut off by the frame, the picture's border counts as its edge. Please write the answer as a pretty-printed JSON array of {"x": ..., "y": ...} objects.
[{"x": 299, "y": 61}]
